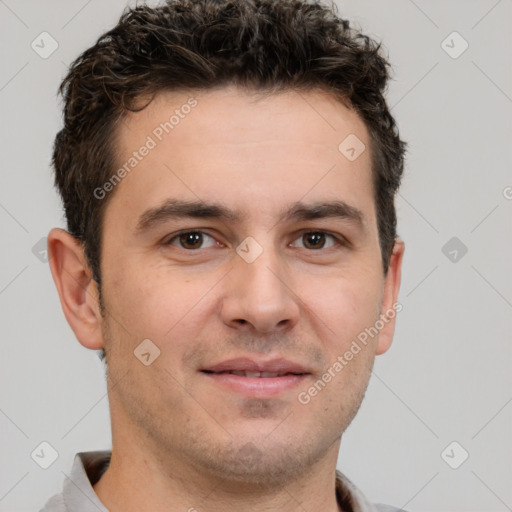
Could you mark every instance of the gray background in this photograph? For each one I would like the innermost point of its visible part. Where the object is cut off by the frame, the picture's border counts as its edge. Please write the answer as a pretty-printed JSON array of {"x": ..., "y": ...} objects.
[{"x": 447, "y": 376}]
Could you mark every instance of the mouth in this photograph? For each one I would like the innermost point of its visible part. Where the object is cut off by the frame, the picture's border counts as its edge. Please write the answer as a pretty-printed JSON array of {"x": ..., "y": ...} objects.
[
  {"x": 257, "y": 379},
  {"x": 252, "y": 375}
]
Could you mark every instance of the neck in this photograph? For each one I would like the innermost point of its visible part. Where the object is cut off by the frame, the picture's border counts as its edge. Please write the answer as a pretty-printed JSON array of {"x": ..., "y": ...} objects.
[{"x": 137, "y": 480}]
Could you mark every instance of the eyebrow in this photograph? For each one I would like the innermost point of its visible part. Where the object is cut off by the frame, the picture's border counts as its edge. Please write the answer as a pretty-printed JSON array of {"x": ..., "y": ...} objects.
[{"x": 172, "y": 209}]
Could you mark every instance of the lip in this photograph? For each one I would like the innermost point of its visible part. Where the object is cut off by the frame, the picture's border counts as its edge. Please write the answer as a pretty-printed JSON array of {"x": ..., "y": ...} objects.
[
  {"x": 249, "y": 365},
  {"x": 257, "y": 387}
]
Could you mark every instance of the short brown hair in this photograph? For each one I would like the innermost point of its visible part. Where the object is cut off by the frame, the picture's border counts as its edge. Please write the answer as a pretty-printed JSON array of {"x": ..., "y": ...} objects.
[{"x": 201, "y": 44}]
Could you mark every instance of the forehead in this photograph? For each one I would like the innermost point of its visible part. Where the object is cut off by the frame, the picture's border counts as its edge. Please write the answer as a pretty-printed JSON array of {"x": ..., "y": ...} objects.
[
  {"x": 249, "y": 116},
  {"x": 252, "y": 151}
]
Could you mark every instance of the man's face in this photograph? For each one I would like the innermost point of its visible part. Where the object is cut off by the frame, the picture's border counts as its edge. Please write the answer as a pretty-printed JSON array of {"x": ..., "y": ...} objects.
[{"x": 289, "y": 300}]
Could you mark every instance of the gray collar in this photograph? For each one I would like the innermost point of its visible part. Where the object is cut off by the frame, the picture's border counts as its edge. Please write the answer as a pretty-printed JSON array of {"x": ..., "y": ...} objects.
[{"x": 78, "y": 494}]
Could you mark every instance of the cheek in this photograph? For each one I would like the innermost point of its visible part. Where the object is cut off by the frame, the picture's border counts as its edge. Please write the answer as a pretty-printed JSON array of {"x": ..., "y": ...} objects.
[
  {"x": 347, "y": 310},
  {"x": 154, "y": 303},
  {"x": 345, "y": 305}
]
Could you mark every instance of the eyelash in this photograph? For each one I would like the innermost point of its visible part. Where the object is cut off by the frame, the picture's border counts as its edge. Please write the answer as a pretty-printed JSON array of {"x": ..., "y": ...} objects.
[{"x": 339, "y": 241}]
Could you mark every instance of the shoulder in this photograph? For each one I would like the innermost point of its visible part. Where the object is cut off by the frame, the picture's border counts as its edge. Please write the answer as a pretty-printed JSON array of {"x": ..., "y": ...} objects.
[
  {"x": 351, "y": 498},
  {"x": 55, "y": 504},
  {"x": 380, "y": 507}
]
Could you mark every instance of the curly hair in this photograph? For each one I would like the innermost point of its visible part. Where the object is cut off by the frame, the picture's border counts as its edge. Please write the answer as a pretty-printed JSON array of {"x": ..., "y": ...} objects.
[{"x": 265, "y": 45}]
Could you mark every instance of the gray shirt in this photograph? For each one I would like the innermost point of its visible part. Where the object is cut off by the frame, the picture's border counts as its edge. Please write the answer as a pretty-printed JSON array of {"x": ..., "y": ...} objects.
[{"x": 78, "y": 494}]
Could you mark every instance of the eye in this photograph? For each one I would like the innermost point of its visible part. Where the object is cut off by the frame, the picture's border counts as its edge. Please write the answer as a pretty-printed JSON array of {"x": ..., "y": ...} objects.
[
  {"x": 193, "y": 240},
  {"x": 190, "y": 240},
  {"x": 316, "y": 240}
]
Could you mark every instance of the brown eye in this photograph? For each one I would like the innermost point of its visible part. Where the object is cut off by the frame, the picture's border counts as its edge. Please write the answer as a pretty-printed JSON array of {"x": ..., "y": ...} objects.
[
  {"x": 316, "y": 240},
  {"x": 190, "y": 240}
]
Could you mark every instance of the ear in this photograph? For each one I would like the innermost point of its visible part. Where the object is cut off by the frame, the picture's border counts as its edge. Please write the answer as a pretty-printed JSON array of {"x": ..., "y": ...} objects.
[
  {"x": 390, "y": 305},
  {"x": 78, "y": 293}
]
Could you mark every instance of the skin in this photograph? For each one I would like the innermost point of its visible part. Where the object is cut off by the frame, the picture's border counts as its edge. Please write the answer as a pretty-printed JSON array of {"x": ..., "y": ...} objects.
[{"x": 179, "y": 439}]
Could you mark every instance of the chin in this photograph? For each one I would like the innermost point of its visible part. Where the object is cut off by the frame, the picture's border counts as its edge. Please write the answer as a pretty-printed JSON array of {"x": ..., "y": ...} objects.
[{"x": 261, "y": 463}]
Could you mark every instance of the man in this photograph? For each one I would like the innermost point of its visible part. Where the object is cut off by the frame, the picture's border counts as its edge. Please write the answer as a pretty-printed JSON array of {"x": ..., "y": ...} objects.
[{"x": 228, "y": 171}]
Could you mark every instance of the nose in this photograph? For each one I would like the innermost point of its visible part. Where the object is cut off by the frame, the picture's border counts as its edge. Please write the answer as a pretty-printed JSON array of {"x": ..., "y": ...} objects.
[{"x": 259, "y": 295}]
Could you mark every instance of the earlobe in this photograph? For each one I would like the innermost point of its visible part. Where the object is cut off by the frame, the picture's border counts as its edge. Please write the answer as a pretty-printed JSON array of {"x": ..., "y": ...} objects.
[
  {"x": 390, "y": 305},
  {"x": 78, "y": 293}
]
